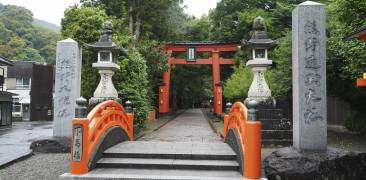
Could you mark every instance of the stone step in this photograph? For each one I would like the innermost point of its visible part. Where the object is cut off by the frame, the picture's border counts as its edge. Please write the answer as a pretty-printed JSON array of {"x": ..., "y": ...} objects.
[
  {"x": 270, "y": 113},
  {"x": 276, "y": 124},
  {"x": 277, "y": 142},
  {"x": 156, "y": 174},
  {"x": 168, "y": 164},
  {"x": 168, "y": 150},
  {"x": 276, "y": 134}
]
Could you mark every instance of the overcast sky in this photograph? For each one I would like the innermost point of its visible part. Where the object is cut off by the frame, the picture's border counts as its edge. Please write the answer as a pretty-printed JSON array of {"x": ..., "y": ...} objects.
[{"x": 53, "y": 10}]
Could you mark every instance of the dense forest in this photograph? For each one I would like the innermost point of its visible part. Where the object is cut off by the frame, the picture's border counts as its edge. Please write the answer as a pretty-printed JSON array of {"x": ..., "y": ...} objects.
[
  {"x": 144, "y": 26},
  {"x": 22, "y": 40}
]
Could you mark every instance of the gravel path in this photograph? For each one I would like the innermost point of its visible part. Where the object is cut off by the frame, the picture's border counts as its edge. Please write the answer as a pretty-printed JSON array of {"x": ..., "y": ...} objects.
[{"x": 37, "y": 167}]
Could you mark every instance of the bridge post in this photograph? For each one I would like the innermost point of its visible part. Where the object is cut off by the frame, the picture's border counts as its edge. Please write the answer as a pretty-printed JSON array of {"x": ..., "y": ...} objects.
[
  {"x": 79, "y": 145},
  {"x": 252, "y": 145}
]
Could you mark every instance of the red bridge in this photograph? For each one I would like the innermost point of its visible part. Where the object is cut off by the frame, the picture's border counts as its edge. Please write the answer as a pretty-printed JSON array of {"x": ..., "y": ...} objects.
[{"x": 185, "y": 148}]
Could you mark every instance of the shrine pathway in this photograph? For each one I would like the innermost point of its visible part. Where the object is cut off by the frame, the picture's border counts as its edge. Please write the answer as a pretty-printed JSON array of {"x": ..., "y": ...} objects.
[{"x": 190, "y": 126}]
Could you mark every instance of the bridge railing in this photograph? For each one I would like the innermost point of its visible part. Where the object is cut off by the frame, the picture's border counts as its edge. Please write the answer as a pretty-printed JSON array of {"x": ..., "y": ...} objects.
[
  {"x": 244, "y": 136},
  {"x": 90, "y": 134}
]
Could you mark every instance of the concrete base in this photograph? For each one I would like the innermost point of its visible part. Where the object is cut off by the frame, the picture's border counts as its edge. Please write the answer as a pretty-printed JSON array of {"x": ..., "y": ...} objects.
[{"x": 52, "y": 145}]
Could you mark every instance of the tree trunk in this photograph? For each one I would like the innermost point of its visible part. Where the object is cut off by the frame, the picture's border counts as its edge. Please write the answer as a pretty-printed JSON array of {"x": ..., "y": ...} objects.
[
  {"x": 137, "y": 18},
  {"x": 130, "y": 27}
]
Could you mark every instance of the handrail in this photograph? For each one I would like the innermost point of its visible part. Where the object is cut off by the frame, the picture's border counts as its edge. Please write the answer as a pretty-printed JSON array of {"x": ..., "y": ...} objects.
[
  {"x": 249, "y": 137},
  {"x": 104, "y": 116}
]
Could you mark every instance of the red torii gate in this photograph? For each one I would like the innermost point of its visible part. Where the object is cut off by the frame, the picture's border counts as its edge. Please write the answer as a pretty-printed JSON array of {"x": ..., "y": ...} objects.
[{"x": 192, "y": 48}]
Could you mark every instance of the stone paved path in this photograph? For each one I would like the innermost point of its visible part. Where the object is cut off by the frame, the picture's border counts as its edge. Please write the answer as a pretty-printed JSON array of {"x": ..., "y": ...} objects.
[
  {"x": 15, "y": 141},
  {"x": 190, "y": 126}
]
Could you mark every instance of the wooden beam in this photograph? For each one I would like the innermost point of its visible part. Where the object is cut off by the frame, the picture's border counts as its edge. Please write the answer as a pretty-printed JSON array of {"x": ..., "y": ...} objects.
[
  {"x": 203, "y": 48},
  {"x": 199, "y": 61}
]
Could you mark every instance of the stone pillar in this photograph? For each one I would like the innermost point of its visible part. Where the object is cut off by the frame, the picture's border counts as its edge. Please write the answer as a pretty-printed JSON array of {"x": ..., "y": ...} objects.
[
  {"x": 309, "y": 77},
  {"x": 67, "y": 86}
]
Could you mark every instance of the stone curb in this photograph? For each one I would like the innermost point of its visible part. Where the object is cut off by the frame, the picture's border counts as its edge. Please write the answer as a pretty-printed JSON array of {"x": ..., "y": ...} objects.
[
  {"x": 20, "y": 158},
  {"x": 215, "y": 129},
  {"x": 209, "y": 120}
]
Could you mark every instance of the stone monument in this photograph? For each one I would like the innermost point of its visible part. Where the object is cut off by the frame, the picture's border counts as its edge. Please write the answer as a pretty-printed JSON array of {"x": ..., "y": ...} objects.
[
  {"x": 309, "y": 158},
  {"x": 106, "y": 65},
  {"x": 259, "y": 45},
  {"x": 67, "y": 86},
  {"x": 309, "y": 77}
]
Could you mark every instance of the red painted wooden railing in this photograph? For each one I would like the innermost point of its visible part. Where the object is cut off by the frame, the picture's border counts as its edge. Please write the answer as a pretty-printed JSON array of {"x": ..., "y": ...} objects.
[
  {"x": 249, "y": 134},
  {"x": 104, "y": 116}
]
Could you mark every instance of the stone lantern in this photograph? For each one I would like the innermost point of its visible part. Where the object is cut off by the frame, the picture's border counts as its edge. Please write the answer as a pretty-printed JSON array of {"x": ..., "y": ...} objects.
[
  {"x": 107, "y": 51},
  {"x": 259, "y": 45}
]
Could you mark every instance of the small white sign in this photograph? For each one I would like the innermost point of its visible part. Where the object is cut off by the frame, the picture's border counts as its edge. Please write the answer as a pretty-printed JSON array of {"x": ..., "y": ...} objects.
[
  {"x": 77, "y": 147},
  {"x": 191, "y": 54}
]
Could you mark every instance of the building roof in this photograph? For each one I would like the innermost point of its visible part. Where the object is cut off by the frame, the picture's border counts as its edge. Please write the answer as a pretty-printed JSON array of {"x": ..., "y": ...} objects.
[
  {"x": 360, "y": 33},
  {"x": 5, "y": 61},
  {"x": 21, "y": 69},
  {"x": 7, "y": 93}
]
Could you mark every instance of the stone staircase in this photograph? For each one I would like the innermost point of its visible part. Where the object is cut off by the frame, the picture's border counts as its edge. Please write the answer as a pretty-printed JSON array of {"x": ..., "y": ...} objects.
[
  {"x": 276, "y": 127},
  {"x": 165, "y": 160}
]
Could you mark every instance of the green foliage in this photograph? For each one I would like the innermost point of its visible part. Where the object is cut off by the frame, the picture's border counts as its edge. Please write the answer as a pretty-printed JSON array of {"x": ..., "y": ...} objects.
[
  {"x": 232, "y": 19},
  {"x": 141, "y": 68},
  {"x": 279, "y": 76},
  {"x": 170, "y": 16},
  {"x": 84, "y": 25},
  {"x": 237, "y": 86},
  {"x": 132, "y": 84},
  {"x": 20, "y": 40},
  {"x": 162, "y": 20},
  {"x": 192, "y": 85},
  {"x": 197, "y": 29},
  {"x": 349, "y": 14},
  {"x": 345, "y": 58},
  {"x": 157, "y": 62}
]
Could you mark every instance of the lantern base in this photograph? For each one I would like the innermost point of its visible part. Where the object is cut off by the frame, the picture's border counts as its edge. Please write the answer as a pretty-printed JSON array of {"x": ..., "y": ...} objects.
[{"x": 105, "y": 87}]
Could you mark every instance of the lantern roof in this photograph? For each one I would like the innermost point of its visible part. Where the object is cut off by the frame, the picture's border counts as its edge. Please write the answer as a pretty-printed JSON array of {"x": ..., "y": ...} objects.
[
  {"x": 105, "y": 41},
  {"x": 259, "y": 37}
]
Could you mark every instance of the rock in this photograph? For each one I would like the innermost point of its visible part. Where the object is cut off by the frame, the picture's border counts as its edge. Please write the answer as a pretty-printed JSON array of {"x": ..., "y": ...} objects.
[
  {"x": 51, "y": 145},
  {"x": 332, "y": 164}
]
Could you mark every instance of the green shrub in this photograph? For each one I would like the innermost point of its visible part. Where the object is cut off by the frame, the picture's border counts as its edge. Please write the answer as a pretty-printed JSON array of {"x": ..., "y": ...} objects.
[
  {"x": 132, "y": 84},
  {"x": 357, "y": 122}
]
